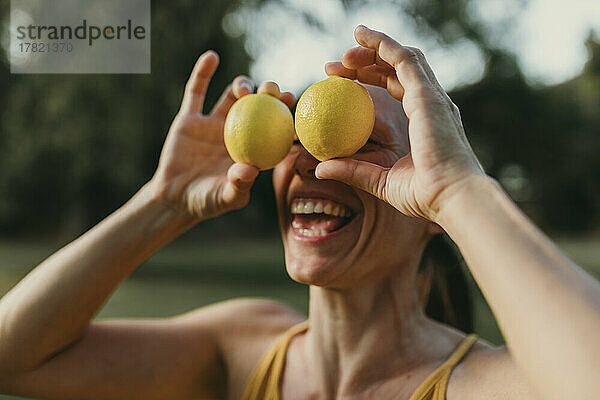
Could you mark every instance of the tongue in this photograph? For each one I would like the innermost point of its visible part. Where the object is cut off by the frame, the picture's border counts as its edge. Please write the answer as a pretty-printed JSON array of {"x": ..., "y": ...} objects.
[{"x": 327, "y": 223}]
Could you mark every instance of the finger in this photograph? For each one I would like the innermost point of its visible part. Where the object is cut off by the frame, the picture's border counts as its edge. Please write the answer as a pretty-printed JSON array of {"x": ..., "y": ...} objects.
[
  {"x": 338, "y": 69},
  {"x": 408, "y": 67},
  {"x": 270, "y": 88},
  {"x": 195, "y": 89},
  {"x": 382, "y": 77},
  {"x": 359, "y": 57},
  {"x": 371, "y": 75},
  {"x": 241, "y": 85},
  {"x": 288, "y": 99},
  {"x": 361, "y": 174},
  {"x": 375, "y": 75},
  {"x": 240, "y": 178}
]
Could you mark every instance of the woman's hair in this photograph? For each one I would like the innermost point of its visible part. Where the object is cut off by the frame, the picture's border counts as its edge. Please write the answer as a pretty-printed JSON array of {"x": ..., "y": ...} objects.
[{"x": 443, "y": 288}]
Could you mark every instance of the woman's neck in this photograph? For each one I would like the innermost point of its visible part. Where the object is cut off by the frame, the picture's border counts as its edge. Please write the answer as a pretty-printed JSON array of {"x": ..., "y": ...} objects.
[{"x": 358, "y": 336}]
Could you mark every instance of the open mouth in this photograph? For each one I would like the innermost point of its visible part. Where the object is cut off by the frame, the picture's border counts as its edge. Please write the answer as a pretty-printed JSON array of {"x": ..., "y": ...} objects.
[{"x": 312, "y": 217}]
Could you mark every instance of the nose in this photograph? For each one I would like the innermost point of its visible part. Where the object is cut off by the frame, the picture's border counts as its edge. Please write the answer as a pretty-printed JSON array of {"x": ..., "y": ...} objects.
[{"x": 305, "y": 164}]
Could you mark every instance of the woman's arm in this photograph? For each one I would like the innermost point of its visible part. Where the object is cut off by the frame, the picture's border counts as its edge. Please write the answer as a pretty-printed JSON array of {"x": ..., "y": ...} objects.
[
  {"x": 49, "y": 348},
  {"x": 547, "y": 307},
  {"x": 53, "y": 305}
]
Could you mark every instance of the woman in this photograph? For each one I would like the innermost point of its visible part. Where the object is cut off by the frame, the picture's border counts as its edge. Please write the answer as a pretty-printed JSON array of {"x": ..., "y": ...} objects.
[{"x": 366, "y": 335}]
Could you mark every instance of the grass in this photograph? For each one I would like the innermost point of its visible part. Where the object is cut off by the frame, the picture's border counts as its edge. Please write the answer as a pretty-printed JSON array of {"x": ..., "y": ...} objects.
[
  {"x": 179, "y": 278},
  {"x": 184, "y": 276}
]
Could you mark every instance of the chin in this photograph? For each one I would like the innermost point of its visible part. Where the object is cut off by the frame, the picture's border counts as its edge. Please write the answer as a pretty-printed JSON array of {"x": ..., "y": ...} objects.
[{"x": 312, "y": 269}]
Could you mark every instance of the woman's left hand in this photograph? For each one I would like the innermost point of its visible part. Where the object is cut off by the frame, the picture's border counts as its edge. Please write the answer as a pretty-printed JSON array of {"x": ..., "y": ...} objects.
[{"x": 440, "y": 161}]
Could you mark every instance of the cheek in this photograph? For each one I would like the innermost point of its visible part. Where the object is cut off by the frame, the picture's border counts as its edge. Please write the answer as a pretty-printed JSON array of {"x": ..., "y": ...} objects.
[
  {"x": 282, "y": 173},
  {"x": 389, "y": 230}
]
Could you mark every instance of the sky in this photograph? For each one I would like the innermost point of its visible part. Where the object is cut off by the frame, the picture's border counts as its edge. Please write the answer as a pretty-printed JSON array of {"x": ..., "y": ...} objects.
[{"x": 546, "y": 35}]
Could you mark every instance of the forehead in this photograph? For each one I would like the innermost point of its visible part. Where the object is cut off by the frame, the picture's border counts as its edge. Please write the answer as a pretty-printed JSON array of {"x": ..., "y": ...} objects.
[{"x": 390, "y": 121}]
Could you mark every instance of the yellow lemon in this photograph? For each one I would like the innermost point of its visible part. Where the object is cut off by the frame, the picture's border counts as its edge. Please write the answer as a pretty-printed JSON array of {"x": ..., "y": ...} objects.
[
  {"x": 334, "y": 118},
  {"x": 259, "y": 130}
]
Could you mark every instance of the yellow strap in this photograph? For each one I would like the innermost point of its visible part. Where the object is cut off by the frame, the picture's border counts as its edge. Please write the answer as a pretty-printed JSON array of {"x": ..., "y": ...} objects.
[
  {"x": 434, "y": 387},
  {"x": 264, "y": 381}
]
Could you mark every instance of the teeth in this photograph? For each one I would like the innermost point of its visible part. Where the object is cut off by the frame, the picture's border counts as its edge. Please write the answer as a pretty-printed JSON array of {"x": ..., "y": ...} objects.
[
  {"x": 319, "y": 207},
  {"x": 308, "y": 207},
  {"x": 310, "y": 232}
]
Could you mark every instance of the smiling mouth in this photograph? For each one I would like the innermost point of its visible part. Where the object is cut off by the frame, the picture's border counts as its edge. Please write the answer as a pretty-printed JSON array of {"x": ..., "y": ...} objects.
[{"x": 318, "y": 217}]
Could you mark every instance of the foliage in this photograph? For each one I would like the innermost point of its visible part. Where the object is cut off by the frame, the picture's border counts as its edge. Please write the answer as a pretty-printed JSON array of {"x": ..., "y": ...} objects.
[
  {"x": 551, "y": 133},
  {"x": 75, "y": 147}
]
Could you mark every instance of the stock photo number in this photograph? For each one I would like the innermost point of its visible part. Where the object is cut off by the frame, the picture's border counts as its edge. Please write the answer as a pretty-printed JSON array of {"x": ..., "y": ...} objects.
[{"x": 54, "y": 47}]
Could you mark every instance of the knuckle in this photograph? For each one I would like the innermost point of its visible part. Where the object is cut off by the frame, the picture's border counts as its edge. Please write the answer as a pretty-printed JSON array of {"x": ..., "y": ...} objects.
[
  {"x": 352, "y": 170},
  {"x": 412, "y": 58},
  {"x": 455, "y": 109},
  {"x": 450, "y": 104},
  {"x": 442, "y": 102},
  {"x": 379, "y": 185},
  {"x": 418, "y": 52}
]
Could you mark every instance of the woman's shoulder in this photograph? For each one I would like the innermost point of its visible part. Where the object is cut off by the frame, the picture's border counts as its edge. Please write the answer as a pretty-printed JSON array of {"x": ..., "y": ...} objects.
[
  {"x": 244, "y": 329},
  {"x": 245, "y": 312},
  {"x": 488, "y": 372},
  {"x": 485, "y": 371},
  {"x": 243, "y": 320}
]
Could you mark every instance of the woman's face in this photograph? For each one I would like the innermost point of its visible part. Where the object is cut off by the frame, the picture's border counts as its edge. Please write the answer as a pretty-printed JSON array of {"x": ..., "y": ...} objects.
[{"x": 337, "y": 236}]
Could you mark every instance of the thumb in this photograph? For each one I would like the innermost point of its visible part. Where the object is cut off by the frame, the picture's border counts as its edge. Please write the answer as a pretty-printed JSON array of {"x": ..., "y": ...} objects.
[
  {"x": 361, "y": 174},
  {"x": 240, "y": 178}
]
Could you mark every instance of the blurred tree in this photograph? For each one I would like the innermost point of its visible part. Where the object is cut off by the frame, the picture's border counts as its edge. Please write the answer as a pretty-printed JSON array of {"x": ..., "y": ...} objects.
[
  {"x": 551, "y": 133},
  {"x": 75, "y": 147}
]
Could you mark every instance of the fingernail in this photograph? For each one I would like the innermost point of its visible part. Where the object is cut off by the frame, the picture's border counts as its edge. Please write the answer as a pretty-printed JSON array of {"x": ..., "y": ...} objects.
[
  {"x": 211, "y": 53},
  {"x": 248, "y": 86},
  {"x": 317, "y": 175}
]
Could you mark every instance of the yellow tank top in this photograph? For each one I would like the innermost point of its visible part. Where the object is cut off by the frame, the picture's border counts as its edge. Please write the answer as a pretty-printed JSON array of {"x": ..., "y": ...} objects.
[{"x": 264, "y": 381}]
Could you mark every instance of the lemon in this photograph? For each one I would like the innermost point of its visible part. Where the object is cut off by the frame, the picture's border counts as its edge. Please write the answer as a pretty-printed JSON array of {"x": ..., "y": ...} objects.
[
  {"x": 259, "y": 130},
  {"x": 334, "y": 118}
]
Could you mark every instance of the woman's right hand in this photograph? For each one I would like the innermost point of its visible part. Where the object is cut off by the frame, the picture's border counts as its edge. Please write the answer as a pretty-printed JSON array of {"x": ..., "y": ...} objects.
[{"x": 195, "y": 173}]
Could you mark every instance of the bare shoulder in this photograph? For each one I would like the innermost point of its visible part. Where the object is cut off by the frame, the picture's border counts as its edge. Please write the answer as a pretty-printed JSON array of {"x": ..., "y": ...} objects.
[
  {"x": 242, "y": 317},
  {"x": 488, "y": 372},
  {"x": 243, "y": 329}
]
